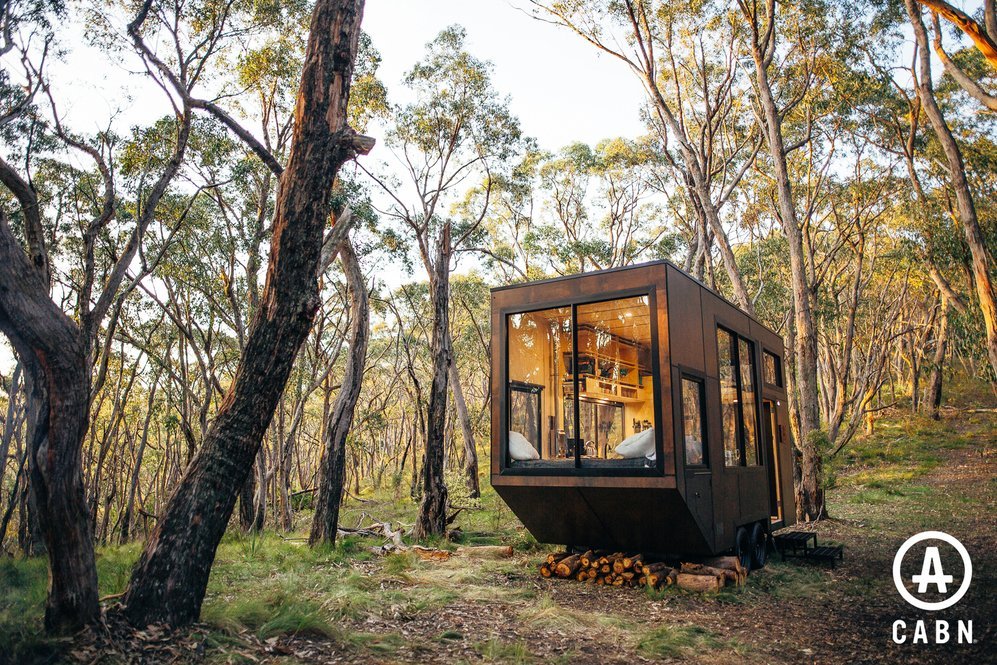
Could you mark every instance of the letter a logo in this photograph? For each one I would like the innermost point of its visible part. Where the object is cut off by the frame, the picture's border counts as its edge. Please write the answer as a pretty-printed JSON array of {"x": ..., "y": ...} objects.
[{"x": 931, "y": 572}]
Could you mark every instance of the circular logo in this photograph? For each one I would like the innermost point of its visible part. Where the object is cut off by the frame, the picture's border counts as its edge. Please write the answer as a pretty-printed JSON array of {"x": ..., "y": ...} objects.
[{"x": 932, "y": 572}]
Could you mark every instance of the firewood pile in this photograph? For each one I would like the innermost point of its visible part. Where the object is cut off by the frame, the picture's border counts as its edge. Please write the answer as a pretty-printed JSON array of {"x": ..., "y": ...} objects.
[{"x": 632, "y": 570}]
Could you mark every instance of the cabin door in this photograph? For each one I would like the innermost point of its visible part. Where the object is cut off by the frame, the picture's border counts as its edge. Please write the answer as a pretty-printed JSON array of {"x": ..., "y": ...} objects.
[
  {"x": 773, "y": 436},
  {"x": 698, "y": 479}
]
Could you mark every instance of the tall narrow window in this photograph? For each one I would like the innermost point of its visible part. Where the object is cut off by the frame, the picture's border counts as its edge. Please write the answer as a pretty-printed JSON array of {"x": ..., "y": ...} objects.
[
  {"x": 692, "y": 422},
  {"x": 772, "y": 369},
  {"x": 539, "y": 350},
  {"x": 729, "y": 414},
  {"x": 615, "y": 384},
  {"x": 749, "y": 407}
]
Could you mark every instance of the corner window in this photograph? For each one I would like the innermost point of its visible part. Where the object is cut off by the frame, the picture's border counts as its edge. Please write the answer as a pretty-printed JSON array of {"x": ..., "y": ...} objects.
[
  {"x": 738, "y": 399},
  {"x": 693, "y": 432},
  {"x": 771, "y": 369}
]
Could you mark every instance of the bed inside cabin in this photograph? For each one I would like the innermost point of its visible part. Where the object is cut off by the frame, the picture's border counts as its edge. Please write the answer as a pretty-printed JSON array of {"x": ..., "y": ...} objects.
[{"x": 594, "y": 359}]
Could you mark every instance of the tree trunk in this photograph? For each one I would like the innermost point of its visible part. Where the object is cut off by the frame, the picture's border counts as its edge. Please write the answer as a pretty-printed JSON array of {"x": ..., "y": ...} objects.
[
  {"x": 126, "y": 520},
  {"x": 51, "y": 348},
  {"x": 332, "y": 468},
  {"x": 247, "y": 502},
  {"x": 938, "y": 366},
  {"x": 470, "y": 451},
  {"x": 169, "y": 581},
  {"x": 811, "y": 493},
  {"x": 957, "y": 177},
  {"x": 432, "y": 520},
  {"x": 10, "y": 424}
]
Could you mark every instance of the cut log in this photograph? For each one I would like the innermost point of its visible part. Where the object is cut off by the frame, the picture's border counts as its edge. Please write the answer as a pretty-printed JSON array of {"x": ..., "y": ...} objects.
[
  {"x": 633, "y": 561},
  {"x": 486, "y": 551},
  {"x": 728, "y": 563},
  {"x": 605, "y": 569},
  {"x": 553, "y": 558},
  {"x": 661, "y": 577},
  {"x": 587, "y": 558},
  {"x": 545, "y": 570},
  {"x": 568, "y": 566},
  {"x": 730, "y": 576},
  {"x": 700, "y": 583}
]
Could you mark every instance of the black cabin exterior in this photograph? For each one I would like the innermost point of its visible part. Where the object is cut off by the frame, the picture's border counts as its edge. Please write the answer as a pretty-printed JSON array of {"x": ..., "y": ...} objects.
[{"x": 635, "y": 409}]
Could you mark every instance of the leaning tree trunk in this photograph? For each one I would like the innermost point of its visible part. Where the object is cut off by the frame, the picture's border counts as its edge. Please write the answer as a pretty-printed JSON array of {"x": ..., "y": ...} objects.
[
  {"x": 981, "y": 259},
  {"x": 169, "y": 581},
  {"x": 470, "y": 452},
  {"x": 332, "y": 469},
  {"x": 55, "y": 357},
  {"x": 432, "y": 520}
]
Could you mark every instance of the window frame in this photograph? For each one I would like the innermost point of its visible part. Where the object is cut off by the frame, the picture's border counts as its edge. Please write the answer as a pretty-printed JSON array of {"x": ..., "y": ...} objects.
[
  {"x": 739, "y": 435},
  {"x": 576, "y": 469},
  {"x": 700, "y": 382}
]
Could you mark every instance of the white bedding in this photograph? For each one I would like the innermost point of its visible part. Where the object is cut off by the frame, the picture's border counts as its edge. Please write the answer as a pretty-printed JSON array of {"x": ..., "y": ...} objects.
[{"x": 520, "y": 448}]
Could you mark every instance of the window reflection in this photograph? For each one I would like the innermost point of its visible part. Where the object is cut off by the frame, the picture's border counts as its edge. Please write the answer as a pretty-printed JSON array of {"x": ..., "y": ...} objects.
[
  {"x": 615, "y": 384},
  {"x": 728, "y": 397},
  {"x": 537, "y": 345},
  {"x": 746, "y": 354},
  {"x": 692, "y": 422}
]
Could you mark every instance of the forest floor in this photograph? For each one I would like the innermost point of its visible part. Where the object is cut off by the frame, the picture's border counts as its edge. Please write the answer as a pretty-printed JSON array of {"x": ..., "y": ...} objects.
[{"x": 272, "y": 599}]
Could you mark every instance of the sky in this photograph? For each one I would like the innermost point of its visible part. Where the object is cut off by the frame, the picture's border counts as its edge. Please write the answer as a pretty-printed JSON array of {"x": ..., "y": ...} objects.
[{"x": 561, "y": 88}]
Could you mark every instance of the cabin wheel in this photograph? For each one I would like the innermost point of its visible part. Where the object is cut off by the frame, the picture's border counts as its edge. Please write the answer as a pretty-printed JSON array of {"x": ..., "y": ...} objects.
[
  {"x": 742, "y": 547},
  {"x": 759, "y": 546}
]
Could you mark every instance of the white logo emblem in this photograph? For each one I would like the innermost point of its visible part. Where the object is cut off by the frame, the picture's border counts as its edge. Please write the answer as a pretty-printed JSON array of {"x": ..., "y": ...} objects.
[{"x": 932, "y": 572}]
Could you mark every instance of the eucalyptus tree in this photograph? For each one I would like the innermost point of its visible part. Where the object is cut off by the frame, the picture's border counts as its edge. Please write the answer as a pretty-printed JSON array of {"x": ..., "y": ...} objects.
[
  {"x": 636, "y": 32},
  {"x": 59, "y": 353},
  {"x": 982, "y": 259},
  {"x": 455, "y": 136}
]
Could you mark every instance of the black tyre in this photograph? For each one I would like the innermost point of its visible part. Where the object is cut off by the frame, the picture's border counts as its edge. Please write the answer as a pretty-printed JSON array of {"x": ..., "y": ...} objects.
[
  {"x": 759, "y": 546},
  {"x": 742, "y": 547}
]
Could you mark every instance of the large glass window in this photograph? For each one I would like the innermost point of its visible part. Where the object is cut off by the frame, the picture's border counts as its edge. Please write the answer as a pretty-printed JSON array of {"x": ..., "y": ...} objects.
[
  {"x": 692, "y": 422},
  {"x": 615, "y": 391},
  {"x": 739, "y": 399},
  {"x": 537, "y": 346},
  {"x": 728, "y": 397},
  {"x": 749, "y": 410},
  {"x": 585, "y": 368}
]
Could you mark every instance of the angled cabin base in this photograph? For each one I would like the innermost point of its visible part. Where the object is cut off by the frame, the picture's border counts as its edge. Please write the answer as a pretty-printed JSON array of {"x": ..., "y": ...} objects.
[{"x": 635, "y": 409}]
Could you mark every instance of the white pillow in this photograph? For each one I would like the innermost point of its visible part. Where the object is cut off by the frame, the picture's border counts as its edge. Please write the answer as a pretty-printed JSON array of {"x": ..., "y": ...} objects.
[
  {"x": 520, "y": 448},
  {"x": 640, "y": 444}
]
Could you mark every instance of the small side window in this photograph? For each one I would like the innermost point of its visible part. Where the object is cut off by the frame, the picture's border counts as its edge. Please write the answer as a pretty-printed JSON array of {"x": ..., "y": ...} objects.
[
  {"x": 772, "y": 369},
  {"x": 693, "y": 431}
]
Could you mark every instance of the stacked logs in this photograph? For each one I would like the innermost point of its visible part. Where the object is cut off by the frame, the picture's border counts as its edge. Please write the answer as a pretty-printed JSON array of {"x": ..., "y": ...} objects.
[{"x": 632, "y": 570}]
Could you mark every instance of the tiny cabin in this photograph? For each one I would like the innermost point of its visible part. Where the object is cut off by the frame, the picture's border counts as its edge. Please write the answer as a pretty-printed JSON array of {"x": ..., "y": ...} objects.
[{"x": 636, "y": 409}]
